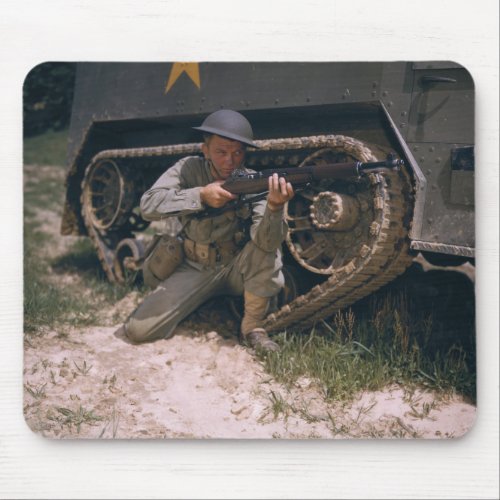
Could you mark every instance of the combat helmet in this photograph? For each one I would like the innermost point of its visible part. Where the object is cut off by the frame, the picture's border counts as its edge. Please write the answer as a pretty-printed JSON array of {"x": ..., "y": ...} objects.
[{"x": 229, "y": 124}]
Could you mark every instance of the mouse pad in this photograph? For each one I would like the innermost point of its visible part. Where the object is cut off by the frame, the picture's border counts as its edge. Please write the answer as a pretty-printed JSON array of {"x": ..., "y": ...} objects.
[{"x": 249, "y": 250}]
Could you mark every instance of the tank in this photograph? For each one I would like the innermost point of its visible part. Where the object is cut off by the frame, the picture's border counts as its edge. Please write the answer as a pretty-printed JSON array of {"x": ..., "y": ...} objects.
[{"x": 131, "y": 121}]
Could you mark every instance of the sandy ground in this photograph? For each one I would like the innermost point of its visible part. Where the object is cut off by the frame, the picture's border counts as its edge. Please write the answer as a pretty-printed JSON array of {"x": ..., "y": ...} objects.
[{"x": 93, "y": 383}]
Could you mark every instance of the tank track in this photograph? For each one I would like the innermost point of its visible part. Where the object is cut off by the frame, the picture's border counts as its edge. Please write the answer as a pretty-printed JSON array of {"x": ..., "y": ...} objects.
[
  {"x": 378, "y": 263},
  {"x": 383, "y": 260}
]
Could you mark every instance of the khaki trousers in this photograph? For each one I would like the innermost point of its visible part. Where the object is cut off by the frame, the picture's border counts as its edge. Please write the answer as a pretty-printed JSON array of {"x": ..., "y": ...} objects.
[{"x": 189, "y": 286}]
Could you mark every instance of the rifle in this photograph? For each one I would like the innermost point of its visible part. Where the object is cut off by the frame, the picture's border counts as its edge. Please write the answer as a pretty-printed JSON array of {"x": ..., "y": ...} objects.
[{"x": 243, "y": 183}]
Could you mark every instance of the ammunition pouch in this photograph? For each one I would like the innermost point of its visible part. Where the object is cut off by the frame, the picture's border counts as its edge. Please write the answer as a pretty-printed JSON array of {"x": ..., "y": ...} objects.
[
  {"x": 163, "y": 256},
  {"x": 210, "y": 254}
]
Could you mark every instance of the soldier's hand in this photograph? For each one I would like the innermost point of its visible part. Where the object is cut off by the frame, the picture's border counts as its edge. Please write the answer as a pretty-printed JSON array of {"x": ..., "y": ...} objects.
[
  {"x": 215, "y": 196},
  {"x": 280, "y": 192}
]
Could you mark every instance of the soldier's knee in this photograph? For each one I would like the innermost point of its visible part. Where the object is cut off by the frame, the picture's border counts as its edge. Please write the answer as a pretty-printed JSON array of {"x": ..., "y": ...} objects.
[
  {"x": 135, "y": 331},
  {"x": 148, "y": 330}
]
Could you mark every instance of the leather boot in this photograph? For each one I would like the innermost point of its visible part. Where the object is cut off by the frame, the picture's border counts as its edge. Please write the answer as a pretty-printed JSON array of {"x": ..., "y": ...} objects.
[{"x": 252, "y": 333}]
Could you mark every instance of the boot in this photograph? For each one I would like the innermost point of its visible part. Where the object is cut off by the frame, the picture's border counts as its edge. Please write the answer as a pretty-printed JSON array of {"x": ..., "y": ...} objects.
[{"x": 252, "y": 332}]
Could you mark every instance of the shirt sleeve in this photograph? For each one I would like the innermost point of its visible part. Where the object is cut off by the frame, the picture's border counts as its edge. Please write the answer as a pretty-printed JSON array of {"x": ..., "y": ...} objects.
[
  {"x": 268, "y": 228},
  {"x": 172, "y": 194}
]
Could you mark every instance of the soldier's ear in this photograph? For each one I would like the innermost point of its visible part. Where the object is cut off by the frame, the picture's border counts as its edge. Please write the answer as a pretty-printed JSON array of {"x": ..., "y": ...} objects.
[{"x": 204, "y": 150}]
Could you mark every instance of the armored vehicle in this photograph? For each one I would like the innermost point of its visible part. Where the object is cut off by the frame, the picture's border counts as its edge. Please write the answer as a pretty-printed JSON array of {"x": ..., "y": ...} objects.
[{"x": 131, "y": 121}]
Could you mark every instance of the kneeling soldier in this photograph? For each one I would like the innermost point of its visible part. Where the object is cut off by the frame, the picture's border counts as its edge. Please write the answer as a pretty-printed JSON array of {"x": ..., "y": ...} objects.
[{"x": 219, "y": 258}]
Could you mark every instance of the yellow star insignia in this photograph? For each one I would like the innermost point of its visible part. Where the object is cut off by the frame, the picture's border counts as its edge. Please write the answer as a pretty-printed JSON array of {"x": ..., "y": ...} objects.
[{"x": 191, "y": 69}]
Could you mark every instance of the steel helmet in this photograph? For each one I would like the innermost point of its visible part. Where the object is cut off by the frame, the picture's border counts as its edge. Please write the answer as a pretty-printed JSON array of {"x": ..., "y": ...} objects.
[{"x": 229, "y": 124}]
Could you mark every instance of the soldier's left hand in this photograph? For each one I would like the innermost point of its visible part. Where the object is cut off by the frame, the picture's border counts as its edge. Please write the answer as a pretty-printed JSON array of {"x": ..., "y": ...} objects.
[{"x": 280, "y": 192}]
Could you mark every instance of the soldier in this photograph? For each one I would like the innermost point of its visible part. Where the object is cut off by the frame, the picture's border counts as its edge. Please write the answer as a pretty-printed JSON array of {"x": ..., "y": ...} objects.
[{"x": 233, "y": 253}]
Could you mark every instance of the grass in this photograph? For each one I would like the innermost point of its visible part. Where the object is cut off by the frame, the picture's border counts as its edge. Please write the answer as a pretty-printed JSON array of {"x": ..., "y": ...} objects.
[
  {"x": 46, "y": 149},
  {"x": 83, "y": 369},
  {"x": 384, "y": 342},
  {"x": 38, "y": 392},
  {"x": 113, "y": 422},
  {"x": 81, "y": 258},
  {"x": 44, "y": 303},
  {"x": 74, "y": 418},
  {"x": 43, "y": 194},
  {"x": 47, "y": 304}
]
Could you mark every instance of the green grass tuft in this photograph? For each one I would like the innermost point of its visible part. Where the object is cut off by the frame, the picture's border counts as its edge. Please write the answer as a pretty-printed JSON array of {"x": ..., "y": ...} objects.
[{"x": 68, "y": 417}]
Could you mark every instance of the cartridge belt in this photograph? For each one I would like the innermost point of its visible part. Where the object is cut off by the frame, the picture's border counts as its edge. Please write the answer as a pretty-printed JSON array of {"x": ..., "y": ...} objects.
[{"x": 210, "y": 254}]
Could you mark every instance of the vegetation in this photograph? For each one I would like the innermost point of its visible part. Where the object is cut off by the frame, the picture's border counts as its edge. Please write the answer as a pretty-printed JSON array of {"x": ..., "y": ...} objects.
[
  {"x": 384, "y": 341},
  {"x": 74, "y": 418},
  {"x": 46, "y": 149},
  {"x": 83, "y": 302},
  {"x": 47, "y": 97},
  {"x": 46, "y": 303}
]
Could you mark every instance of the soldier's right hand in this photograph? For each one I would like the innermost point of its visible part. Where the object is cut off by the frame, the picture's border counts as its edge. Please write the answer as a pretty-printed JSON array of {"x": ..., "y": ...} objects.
[{"x": 215, "y": 196}]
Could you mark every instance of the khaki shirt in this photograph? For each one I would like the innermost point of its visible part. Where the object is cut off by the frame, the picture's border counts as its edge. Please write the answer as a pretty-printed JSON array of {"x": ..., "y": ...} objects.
[{"x": 177, "y": 193}]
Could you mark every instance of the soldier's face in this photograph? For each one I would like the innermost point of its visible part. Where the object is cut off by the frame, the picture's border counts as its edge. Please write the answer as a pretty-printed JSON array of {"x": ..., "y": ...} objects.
[{"x": 226, "y": 155}]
